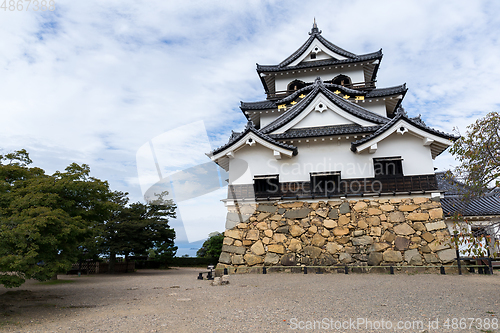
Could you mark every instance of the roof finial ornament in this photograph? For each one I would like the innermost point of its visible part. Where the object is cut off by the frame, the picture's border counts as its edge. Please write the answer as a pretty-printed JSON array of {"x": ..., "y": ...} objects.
[
  {"x": 315, "y": 29},
  {"x": 401, "y": 111}
]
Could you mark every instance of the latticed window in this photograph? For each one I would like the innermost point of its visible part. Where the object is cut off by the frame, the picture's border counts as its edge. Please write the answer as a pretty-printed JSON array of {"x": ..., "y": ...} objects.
[
  {"x": 296, "y": 85},
  {"x": 388, "y": 166},
  {"x": 268, "y": 184},
  {"x": 342, "y": 80},
  {"x": 325, "y": 182}
]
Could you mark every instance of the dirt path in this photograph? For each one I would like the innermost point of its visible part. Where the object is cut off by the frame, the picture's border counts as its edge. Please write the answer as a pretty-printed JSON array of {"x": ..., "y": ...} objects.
[{"x": 175, "y": 301}]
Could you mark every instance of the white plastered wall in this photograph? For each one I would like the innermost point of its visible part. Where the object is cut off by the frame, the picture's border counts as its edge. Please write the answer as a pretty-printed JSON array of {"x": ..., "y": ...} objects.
[
  {"x": 325, "y": 118},
  {"x": 266, "y": 118},
  {"x": 417, "y": 159},
  {"x": 323, "y": 53},
  {"x": 320, "y": 56},
  {"x": 282, "y": 80},
  {"x": 333, "y": 155},
  {"x": 377, "y": 107}
]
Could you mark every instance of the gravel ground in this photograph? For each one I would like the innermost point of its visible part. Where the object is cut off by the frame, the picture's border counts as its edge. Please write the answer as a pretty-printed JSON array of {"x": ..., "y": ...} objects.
[{"x": 175, "y": 301}]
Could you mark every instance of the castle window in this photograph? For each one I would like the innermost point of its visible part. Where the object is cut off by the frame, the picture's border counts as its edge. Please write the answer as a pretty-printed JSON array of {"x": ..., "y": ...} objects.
[
  {"x": 342, "y": 80},
  {"x": 325, "y": 182},
  {"x": 268, "y": 184},
  {"x": 296, "y": 85},
  {"x": 313, "y": 55},
  {"x": 388, "y": 166}
]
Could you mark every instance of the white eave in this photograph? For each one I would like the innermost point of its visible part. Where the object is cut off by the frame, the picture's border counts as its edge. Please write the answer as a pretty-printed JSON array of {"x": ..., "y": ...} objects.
[
  {"x": 322, "y": 48},
  {"x": 437, "y": 144},
  {"x": 250, "y": 139}
]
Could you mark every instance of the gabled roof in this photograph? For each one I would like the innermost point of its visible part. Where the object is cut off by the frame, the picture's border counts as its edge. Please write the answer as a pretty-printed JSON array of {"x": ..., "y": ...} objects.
[
  {"x": 455, "y": 198},
  {"x": 316, "y": 34},
  {"x": 495, "y": 191},
  {"x": 312, "y": 132},
  {"x": 261, "y": 105},
  {"x": 379, "y": 92},
  {"x": 235, "y": 137},
  {"x": 319, "y": 63},
  {"x": 481, "y": 206},
  {"x": 319, "y": 87},
  {"x": 446, "y": 182},
  {"x": 310, "y": 87},
  {"x": 417, "y": 122}
]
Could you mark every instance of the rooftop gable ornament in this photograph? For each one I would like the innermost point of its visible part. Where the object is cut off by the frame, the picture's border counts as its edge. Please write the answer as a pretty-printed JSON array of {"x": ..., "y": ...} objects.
[
  {"x": 319, "y": 87},
  {"x": 315, "y": 29}
]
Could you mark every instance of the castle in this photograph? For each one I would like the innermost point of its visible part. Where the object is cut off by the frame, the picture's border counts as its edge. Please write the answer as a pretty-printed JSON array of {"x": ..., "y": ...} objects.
[{"x": 330, "y": 169}]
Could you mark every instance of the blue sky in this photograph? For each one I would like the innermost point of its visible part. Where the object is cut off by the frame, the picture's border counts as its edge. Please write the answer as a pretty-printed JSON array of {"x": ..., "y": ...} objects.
[{"x": 93, "y": 81}]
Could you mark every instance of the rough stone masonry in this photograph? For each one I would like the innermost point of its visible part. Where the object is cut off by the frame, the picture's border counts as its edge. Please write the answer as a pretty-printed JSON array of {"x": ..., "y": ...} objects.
[{"x": 399, "y": 232}]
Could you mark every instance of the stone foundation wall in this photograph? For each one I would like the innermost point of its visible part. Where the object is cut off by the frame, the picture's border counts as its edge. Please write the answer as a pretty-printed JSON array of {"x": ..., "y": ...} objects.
[{"x": 399, "y": 232}]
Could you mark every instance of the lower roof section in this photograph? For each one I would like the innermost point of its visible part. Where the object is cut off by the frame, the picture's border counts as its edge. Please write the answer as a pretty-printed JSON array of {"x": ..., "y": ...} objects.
[
  {"x": 482, "y": 206},
  {"x": 312, "y": 132}
]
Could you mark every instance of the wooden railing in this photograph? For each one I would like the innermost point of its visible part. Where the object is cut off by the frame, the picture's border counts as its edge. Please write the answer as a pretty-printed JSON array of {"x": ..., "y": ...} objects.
[
  {"x": 361, "y": 85},
  {"x": 358, "y": 86},
  {"x": 346, "y": 187}
]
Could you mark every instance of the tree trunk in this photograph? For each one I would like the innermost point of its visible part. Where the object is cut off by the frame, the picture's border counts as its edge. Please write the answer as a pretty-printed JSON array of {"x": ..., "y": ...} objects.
[
  {"x": 112, "y": 261},
  {"x": 126, "y": 263}
]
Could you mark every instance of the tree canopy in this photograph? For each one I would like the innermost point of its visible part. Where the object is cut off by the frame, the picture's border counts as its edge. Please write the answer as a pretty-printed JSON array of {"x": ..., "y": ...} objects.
[
  {"x": 478, "y": 152},
  {"x": 45, "y": 219},
  {"x": 138, "y": 227},
  {"x": 47, "y": 222},
  {"x": 212, "y": 247}
]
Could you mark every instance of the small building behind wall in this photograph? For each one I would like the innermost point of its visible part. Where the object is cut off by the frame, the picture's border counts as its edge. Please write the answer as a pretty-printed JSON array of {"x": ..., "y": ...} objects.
[{"x": 482, "y": 212}]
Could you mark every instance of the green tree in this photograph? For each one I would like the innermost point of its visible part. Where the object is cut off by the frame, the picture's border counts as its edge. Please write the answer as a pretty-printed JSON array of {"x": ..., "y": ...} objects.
[
  {"x": 212, "y": 247},
  {"x": 478, "y": 152},
  {"x": 136, "y": 228},
  {"x": 45, "y": 220}
]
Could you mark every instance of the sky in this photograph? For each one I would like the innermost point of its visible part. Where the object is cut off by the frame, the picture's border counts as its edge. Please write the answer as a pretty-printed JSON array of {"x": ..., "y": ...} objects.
[{"x": 97, "y": 82}]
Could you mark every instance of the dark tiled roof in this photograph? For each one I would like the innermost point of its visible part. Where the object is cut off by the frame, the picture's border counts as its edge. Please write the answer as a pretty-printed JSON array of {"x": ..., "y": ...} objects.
[
  {"x": 324, "y": 131},
  {"x": 319, "y": 63},
  {"x": 294, "y": 95},
  {"x": 455, "y": 198},
  {"x": 261, "y": 105},
  {"x": 386, "y": 91},
  {"x": 315, "y": 33},
  {"x": 446, "y": 182},
  {"x": 310, "y": 87},
  {"x": 401, "y": 114},
  {"x": 482, "y": 206},
  {"x": 342, "y": 103},
  {"x": 495, "y": 191},
  {"x": 235, "y": 137}
]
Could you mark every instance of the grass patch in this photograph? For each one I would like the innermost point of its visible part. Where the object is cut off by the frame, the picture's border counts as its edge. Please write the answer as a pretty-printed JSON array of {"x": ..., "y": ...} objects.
[
  {"x": 51, "y": 282},
  {"x": 9, "y": 323}
]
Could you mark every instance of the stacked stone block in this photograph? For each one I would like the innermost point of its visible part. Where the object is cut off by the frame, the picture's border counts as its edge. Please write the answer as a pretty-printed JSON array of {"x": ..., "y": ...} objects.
[{"x": 372, "y": 232}]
